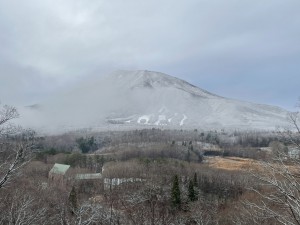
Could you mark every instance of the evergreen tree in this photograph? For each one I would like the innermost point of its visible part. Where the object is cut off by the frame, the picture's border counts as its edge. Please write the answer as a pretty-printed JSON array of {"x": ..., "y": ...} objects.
[
  {"x": 191, "y": 192},
  {"x": 86, "y": 144},
  {"x": 196, "y": 185},
  {"x": 188, "y": 156},
  {"x": 73, "y": 200},
  {"x": 99, "y": 163},
  {"x": 83, "y": 161},
  {"x": 195, "y": 180},
  {"x": 175, "y": 193}
]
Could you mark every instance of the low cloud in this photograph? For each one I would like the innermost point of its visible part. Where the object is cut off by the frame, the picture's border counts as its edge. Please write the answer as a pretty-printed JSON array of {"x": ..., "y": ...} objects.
[{"x": 48, "y": 44}]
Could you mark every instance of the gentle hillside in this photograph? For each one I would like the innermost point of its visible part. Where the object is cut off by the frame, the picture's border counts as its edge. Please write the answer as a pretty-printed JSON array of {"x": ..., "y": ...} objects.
[{"x": 132, "y": 99}]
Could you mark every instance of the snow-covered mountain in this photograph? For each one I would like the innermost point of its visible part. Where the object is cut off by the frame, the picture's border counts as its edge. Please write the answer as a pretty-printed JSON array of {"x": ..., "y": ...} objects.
[{"x": 132, "y": 99}]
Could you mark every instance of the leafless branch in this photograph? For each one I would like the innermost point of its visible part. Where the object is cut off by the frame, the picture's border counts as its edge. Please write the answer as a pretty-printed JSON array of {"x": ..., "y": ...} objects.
[{"x": 15, "y": 144}]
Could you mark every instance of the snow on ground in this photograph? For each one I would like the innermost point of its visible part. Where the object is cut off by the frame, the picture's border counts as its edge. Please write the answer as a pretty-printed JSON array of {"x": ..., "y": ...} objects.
[
  {"x": 182, "y": 121},
  {"x": 127, "y": 93},
  {"x": 160, "y": 119},
  {"x": 143, "y": 118}
]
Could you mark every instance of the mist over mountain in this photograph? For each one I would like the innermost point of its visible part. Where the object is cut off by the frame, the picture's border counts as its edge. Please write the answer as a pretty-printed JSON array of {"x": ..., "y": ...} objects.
[{"x": 144, "y": 99}]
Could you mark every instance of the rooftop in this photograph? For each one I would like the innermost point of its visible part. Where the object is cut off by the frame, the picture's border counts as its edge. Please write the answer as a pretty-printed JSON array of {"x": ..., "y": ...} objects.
[
  {"x": 59, "y": 168},
  {"x": 88, "y": 176}
]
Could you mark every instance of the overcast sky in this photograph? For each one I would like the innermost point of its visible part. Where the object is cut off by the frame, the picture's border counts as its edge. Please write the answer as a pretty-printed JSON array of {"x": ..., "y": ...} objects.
[{"x": 244, "y": 49}]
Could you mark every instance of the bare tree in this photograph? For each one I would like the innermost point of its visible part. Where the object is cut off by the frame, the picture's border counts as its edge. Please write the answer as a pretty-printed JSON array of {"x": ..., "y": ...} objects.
[
  {"x": 15, "y": 145},
  {"x": 20, "y": 208},
  {"x": 293, "y": 134},
  {"x": 87, "y": 214},
  {"x": 279, "y": 187}
]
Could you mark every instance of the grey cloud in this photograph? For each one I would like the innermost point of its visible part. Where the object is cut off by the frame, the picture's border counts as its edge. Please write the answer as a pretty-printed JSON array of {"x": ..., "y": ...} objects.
[
  {"x": 210, "y": 42},
  {"x": 23, "y": 85}
]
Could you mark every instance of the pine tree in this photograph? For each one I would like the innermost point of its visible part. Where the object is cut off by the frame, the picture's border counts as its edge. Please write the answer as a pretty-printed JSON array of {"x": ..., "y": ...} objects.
[
  {"x": 73, "y": 200},
  {"x": 175, "y": 193},
  {"x": 196, "y": 185},
  {"x": 191, "y": 192},
  {"x": 195, "y": 180},
  {"x": 188, "y": 156}
]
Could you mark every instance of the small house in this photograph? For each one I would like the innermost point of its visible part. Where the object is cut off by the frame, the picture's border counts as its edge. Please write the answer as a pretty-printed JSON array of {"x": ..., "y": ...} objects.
[
  {"x": 58, "y": 175},
  {"x": 89, "y": 183},
  {"x": 110, "y": 183}
]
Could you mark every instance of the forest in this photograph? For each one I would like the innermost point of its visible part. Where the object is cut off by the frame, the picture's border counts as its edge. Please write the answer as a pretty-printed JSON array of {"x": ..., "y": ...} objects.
[{"x": 148, "y": 176}]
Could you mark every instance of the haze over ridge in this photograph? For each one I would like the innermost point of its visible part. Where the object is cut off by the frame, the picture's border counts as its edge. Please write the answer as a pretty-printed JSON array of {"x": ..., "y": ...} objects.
[{"x": 131, "y": 99}]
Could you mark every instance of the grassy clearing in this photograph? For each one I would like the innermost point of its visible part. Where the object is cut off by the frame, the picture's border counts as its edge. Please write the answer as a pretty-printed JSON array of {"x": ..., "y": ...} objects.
[{"x": 232, "y": 163}]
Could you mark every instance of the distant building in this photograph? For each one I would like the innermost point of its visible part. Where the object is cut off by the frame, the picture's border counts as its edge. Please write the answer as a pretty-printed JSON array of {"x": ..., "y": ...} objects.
[
  {"x": 88, "y": 176},
  {"x": 62, "y": 176},
  {"x": 59, "y": 174},
  {"x": 91, "y": 183},
  {"x": 110, "y": 183}
]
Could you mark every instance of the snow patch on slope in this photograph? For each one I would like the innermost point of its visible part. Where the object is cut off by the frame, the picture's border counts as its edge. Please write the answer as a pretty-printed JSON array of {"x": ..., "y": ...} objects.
[
  {"x": 182, "y": 121},
  {"x": 161, "y": 120},
  {"x": 144, "y": 119},
  {"x": 137, "y": 98}
]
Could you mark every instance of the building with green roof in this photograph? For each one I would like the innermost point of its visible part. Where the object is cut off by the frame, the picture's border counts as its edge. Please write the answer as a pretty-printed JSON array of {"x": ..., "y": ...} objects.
[
  {"x": 58, "y": 174},
  {"x": 59, "y": 168}
]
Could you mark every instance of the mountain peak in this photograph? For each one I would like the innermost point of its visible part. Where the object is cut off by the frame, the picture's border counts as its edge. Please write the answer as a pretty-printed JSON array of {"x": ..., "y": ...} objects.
[
  {"x": 151, "y": 79},
  {"x": 142, "y": 75},
  {"x": 148, "y": 98}
]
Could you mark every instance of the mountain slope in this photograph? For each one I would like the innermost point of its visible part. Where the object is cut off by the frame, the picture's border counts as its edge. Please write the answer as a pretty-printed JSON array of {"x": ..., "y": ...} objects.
[{"x": 131, "y": 99}]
